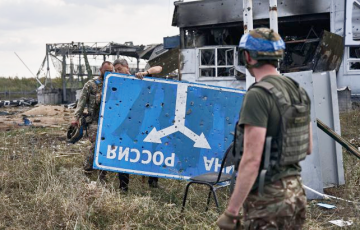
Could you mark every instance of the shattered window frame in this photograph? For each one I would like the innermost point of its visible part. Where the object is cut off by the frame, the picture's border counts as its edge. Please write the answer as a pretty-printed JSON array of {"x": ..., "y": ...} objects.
[
  {"x": 215, "y": 66},
  {"x": 350, "y": 61}
]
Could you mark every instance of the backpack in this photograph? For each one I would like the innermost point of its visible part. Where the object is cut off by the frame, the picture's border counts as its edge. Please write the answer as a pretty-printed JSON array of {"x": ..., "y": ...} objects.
[{"x": 292, "y": 143}]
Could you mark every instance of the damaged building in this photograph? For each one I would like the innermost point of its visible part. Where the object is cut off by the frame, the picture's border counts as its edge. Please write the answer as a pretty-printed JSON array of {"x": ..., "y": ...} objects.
[
  {"x": 322, "y": 53},
  {"x": 313, "y": 31}
]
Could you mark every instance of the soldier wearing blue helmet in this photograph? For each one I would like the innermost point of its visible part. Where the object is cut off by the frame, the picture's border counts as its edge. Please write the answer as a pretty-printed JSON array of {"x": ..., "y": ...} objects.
[
  {"x": 263, "y": 45},
  {"x": 272, "y": 136}
]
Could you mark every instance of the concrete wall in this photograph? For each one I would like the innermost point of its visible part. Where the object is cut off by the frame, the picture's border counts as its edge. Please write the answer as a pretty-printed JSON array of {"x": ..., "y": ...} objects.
[
  {"x": 344, "y": 97},
  {"x": 49, "y": 96},
  {"x": 71, "y": 95}
]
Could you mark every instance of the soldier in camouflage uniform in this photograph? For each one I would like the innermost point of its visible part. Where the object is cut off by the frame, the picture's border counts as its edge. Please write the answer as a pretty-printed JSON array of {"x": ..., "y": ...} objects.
[
  {"x": 272, "y": 198},
  {"x": 91, "y": 97}
]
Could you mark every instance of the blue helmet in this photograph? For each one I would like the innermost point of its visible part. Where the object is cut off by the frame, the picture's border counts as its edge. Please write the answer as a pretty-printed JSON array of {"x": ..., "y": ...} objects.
[{"x": 262, "y": 44}]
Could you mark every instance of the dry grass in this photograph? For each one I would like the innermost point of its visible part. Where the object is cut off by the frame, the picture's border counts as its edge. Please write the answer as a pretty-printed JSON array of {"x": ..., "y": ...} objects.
[
  {"x": 318, "y": 217},
  {"x": 42, "y": 189}
]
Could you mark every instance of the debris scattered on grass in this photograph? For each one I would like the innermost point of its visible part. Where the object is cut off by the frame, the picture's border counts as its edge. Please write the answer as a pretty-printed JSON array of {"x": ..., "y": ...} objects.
[
  {"x": 170, "y": 205},
  {"x": 341, "y": 223},
  {"x": 26, "y": 122},
  {"x": 328, "y": 206}
]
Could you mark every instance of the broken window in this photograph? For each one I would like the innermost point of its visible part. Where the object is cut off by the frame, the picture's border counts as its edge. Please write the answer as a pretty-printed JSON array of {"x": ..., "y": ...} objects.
[
  {"x": 207, "y": 57},
  {"x": 353, "y": 59},
  {"x": 217, "y": 62}
]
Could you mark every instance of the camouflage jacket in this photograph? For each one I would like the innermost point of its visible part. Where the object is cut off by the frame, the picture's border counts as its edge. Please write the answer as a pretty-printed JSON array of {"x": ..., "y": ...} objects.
[{"x": 90, "y": 97}]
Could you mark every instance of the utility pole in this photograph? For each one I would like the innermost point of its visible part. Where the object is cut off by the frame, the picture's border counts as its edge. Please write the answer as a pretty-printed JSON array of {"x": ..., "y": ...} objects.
[
  {"x": 88, "y": 68},
  {"x": 273, "y": 15},
  {"x": 71, "y": 72},
  {"x": 137, "y": 64},
  {"x": 80, "y": 70},
  {"x": 63, "y": 76},
  {"x": 48, "y": 67}
]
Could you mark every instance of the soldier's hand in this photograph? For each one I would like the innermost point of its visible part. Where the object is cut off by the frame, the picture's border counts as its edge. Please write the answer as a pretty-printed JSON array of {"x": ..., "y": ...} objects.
[
  {"x": 140, "y": 75},
  {"x": 229, "y": 221},
  {"x": 75, "y": 123}
]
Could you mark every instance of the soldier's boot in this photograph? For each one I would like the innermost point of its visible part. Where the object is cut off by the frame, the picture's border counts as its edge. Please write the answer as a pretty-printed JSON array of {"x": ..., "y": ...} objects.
[
  {"x": 88, "y": 163},
  {"x": 124, "y": 182},
  {"x": 153, "y": 182}
]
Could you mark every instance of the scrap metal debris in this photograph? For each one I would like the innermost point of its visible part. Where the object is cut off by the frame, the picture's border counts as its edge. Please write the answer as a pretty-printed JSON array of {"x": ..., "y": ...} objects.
[
  {"x": 328, "y": 197},
  {"x": 341, "y": 223},
  {"x": 22, "y": 102},
  {"x": 328, "y": 206},
  {"x": 71, "y": 105}
]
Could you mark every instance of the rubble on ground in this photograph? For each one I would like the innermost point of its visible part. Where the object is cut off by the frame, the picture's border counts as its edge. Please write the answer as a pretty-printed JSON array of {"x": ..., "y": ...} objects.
[{"x": 39, "y": 116}]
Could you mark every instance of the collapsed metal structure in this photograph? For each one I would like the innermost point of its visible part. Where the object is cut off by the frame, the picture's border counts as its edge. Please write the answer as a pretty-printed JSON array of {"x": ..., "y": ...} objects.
[{"x": 63, "y": 55}]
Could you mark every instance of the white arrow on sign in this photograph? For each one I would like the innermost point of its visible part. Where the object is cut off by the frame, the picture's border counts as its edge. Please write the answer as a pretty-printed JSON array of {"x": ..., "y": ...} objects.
[{"x": 179, "y": 126}]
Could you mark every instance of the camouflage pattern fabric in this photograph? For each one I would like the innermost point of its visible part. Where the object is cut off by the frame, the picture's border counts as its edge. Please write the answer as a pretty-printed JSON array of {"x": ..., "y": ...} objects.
[
  {"x": 89, "y": 158},
  {"x": 265, "y": 34},
  {"x": 90, "y": 96},
  {"x": 282, "y": 206}
]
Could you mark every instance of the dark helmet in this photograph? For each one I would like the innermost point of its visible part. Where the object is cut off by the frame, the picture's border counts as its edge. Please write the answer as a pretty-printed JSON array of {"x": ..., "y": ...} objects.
[
  {"x": 74, "y": 133},
  {"x": 263, "y": 44}
]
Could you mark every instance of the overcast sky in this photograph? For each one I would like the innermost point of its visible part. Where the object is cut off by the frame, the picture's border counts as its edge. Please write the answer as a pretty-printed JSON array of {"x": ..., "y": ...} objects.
[{"x": 27, "y": 25}]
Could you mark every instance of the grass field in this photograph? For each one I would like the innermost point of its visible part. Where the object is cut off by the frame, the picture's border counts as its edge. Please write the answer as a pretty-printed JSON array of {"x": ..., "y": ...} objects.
[
  {"x": 42, "y": 186},
  {"x": 16, "y": 88}
]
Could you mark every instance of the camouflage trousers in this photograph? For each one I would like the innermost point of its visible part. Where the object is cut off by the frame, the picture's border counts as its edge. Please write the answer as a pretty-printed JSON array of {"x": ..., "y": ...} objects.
[
  {"x": 282, "y": 206},
  {"x": 89, "y": 158}
]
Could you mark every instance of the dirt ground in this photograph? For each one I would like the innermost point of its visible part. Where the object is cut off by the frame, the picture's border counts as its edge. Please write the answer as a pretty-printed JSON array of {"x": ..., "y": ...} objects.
[
  {"x": 42, "y": 185},
  {"x": 39, "y": 116}
]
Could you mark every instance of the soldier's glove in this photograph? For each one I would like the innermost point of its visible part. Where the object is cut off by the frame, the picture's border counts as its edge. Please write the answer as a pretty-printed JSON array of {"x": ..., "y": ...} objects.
[
  {"x": 229, "y": 221},
  {"x": 75, "y": 123}
]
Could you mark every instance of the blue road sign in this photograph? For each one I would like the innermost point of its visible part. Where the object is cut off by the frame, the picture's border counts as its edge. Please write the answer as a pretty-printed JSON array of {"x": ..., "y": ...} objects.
[{"x": 164, "y": 128}]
